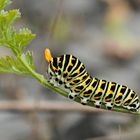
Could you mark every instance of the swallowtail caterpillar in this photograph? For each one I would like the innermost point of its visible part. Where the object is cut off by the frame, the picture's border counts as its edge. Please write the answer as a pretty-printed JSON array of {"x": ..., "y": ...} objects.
[{"x": 69, "y": 72}]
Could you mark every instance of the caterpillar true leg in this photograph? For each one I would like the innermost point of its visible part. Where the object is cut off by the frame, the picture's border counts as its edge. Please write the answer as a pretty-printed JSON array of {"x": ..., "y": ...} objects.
[{"x": 72, "y": 95}]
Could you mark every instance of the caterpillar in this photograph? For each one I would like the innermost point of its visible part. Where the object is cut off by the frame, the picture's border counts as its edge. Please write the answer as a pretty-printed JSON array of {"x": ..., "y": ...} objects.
[{"x": 69, "y": 73}]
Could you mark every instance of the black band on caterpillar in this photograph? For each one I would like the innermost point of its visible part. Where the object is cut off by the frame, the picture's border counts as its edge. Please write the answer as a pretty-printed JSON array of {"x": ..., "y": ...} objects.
[{"x": 69, "y": 73}]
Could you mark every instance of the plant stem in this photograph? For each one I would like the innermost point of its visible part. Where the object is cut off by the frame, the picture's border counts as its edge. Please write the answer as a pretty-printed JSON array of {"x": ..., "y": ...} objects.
[
  {"x": 41, "y": 78},
  {"x": 45, "y": 83}
]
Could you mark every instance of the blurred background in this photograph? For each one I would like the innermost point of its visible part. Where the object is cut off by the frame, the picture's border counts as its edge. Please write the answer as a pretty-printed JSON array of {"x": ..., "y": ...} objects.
[{"x": 105, "y": 36}]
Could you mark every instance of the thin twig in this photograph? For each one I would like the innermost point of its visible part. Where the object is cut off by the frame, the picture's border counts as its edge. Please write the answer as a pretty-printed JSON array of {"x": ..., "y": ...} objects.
[{"x": 50, "y": 106}]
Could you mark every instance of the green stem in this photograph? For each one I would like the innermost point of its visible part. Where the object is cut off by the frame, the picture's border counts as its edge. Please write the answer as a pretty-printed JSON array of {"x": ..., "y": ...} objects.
[
  {"x": 45, "y": 83},
  {"x": 41, "y": 78}
]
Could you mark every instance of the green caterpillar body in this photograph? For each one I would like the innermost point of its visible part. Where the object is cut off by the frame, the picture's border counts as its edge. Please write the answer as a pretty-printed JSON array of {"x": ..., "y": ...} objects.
[{"x": 69, "y": 73}]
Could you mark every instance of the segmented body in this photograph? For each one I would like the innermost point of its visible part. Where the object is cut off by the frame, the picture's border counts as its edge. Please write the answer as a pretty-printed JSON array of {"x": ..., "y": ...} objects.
[{"x": 69, "y": 73}]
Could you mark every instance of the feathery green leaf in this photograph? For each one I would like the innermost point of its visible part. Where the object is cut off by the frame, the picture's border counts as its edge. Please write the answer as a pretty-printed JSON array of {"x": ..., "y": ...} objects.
[{"x": 12, "y": 65}]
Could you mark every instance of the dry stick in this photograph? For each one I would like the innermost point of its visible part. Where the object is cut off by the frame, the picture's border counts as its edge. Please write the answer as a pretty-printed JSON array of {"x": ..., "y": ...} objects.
[{"x": 47, "y": 106}]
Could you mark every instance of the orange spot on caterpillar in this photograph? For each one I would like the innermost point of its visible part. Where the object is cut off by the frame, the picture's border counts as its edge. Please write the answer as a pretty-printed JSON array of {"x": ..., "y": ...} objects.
[{"x": 48, "y": 55}]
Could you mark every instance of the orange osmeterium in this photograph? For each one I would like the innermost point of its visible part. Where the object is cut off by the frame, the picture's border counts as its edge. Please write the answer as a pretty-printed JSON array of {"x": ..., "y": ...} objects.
[{"x": 48, "y": 55}]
